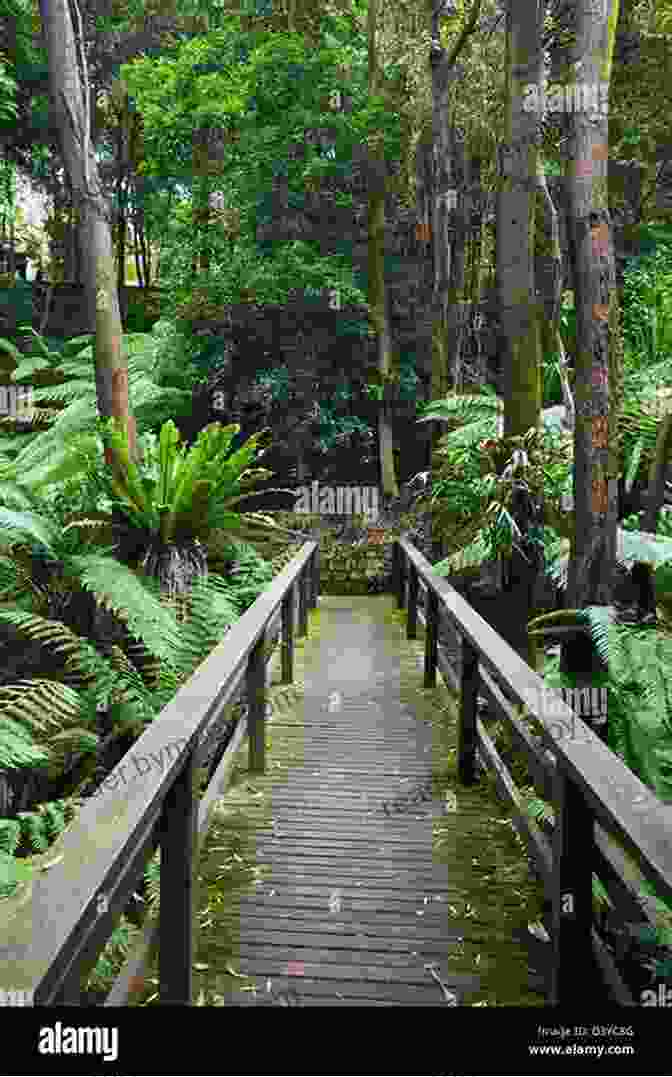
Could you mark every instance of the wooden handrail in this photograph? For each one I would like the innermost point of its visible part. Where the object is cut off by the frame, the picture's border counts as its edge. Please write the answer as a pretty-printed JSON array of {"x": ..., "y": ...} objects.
[
  {"x": 593, "y": 792},
  {"x": 51, "y": 939}
]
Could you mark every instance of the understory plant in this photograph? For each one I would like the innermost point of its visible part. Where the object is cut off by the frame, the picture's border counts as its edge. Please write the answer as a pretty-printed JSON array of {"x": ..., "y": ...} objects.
[
  {"x": 500, "y": 493},
  {"x": 174, "y": 498}
]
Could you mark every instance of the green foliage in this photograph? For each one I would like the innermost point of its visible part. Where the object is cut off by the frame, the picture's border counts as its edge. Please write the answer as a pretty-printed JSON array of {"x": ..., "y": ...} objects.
[
  {"x": 178, "y": 495},
  {"x": 459, "y": 482},
  {"x": 500, "y": 481},
  {"x": 154, "y": 394},
  {"x": 111, "y": 960},
  {"x": 267, "y": 91},
  {"x": 647, "y": 306}
]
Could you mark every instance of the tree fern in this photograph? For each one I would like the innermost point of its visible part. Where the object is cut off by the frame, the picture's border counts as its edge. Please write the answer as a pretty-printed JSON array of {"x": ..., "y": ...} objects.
[
  {"x": 79, "y": 658},
  {"x": 118, "y": 589},
  {"x": 50, "y": 715}
]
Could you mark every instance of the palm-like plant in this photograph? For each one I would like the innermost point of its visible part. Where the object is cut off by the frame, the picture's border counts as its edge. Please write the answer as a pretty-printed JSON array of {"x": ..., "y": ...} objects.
[{"x": 174, "y": 498}]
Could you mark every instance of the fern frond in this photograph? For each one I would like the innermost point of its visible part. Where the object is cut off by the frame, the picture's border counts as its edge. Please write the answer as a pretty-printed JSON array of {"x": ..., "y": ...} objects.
[
  {"x": 81, "y": 661},
  {"x": 44, "y": 707},
  {"x": 28, "y": 366},
  {"x": 118, "y": 589},
  {"x": 10, "y": 835},
  {"x": 82, "y": 346},
  {"x": 33, "y": 830},
  {"x": 469, "y": 557},
  {"x": 211, "y": 613},
  {"x": 604, "y": 632},
  {"x": 633, "y": 464},
  {"x": 17, "y": 747},
  {"x": 17, "y": 526},
  {"x": 73, "y": 389},
  {"x": 462, "y": 408}
]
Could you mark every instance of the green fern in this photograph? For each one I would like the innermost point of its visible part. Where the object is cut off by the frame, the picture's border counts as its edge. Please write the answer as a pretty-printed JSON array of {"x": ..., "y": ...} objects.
[
  {"x": 463, "y": 408},
  {"x": 118, "y": 589},
  {"x": 10, "y": 835},
  {"x": 470, "y": 556},
  {"x": 34, "y": 830},
  {"x": 81, "y": 662},
  {"x": 18, "y": 748}
]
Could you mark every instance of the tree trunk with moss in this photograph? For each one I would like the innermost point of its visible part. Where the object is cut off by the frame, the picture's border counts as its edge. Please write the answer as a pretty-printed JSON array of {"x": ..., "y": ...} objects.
[
  {"x": 457, "y": 298},
  {"x": 70, "y": 105},
  {"x": 519, "y": 308},
  {"x": 598, "y": 362},
  {"x": 548, "y": 280},
  {"x": 441, "y": 210},
  {"x": 377, "y": 182},
  {"x": 515, "y": 222}
]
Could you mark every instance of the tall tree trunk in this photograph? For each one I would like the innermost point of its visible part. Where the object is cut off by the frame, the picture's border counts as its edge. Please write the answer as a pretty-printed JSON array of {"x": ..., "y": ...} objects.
[
  {"x": 598, "y": 360},
  {"x": 458, "y": 310},
  {"x": 443, "y": 189},
  {"x": 120, "y": 97},
  {"x": 515, "y": 221},
  {"x": 377, "y": 292},
  {"x": 70, "y": 103},
  {"x": 519, "y": 309}
]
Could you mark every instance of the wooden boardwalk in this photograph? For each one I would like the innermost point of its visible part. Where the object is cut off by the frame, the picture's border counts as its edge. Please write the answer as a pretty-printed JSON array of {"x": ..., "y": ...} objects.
[{"x": 318, "y": 885}]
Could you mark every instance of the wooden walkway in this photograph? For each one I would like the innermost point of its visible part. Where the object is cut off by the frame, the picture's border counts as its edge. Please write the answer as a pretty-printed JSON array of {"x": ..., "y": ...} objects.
[{"x": 318, "y": 885}]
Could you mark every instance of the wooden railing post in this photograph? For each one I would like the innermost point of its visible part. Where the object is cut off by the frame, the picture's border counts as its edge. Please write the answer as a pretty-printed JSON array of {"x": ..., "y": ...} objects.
[
  {"x": 256, "y": 702},
  {"x": 303, "y": 603},
  {"x": 431, "y": 636},
  {"x": 413, "y": 588},
  {"x": 288, "y": 637},
  {"x": 179, "y": 837},
  {"x": 401, "y": 578},
  {"x": 315, "y": 577},
  {"x": 467, "y": 729},
  {"x": 573, "y": 973}
]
